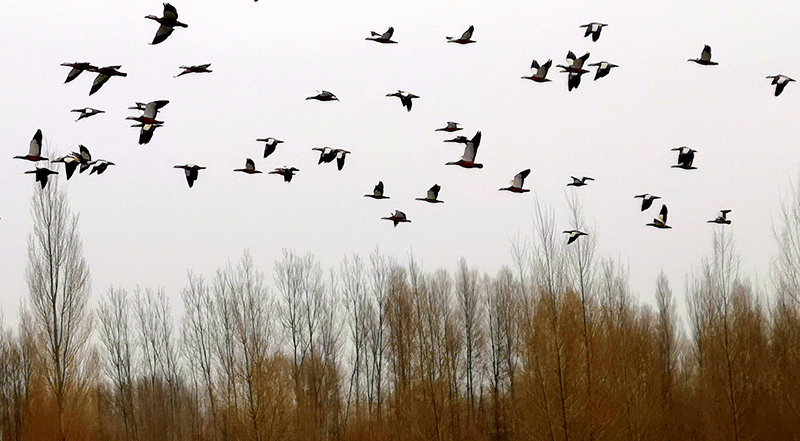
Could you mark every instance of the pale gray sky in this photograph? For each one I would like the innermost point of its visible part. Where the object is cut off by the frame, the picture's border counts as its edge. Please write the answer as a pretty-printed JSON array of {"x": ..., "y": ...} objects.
[{"x": 142, "y": 225}]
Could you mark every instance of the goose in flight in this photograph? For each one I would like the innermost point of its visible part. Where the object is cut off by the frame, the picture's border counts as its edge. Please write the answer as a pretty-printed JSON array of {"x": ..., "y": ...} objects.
[
  {"x": 593, "y": 29},
  {"x": 519, "y": 180},
  {"x": 77, "y": 69},
  {"x": 433, "y": 194},
  {"x": 84, "y": 158},
  {"x": 103, "y": 75},
  {"x": 685, "y": 158},
  {"x": 780, "y": 82},
  {"x": 452, "y": 126},
  {"x": 579, "y": 182},
  {"x": 385, "y": 38},
  {"x": 575, "y": 64},
  {"x": 146, "y": 132},
  {"x": 100, "y": 166},
  {"x": 661, "y": 220},
  {"x": 35, "y": 149},
  {"x": 539, "y": 74},
  {"x": 191, "y": 171},
  {"x": 397, "y": 217},
  {"x": 705, "y": 57},
  {"x": 647, "y": 200},
  {"x": 603, "y": 69},
  {"x": 377, "y": 192},
  {"x": 150, "y": 112},
  {"x": 323, "y": 95},
  {"x": 721, "y": 218},
  {"x": 574, "y": 78},
  {"x": 70, "y": 162},
  {"x": 405, "y": 98},
  {"x": 465, "y": 38},
  {"x": 458, "y": 139},
  {"x": 340, "y": 155},
  {"x": 41, "y": 175},
  {"x": 198, "y": 68},
  {"x": 270, "y": 145},
  {"x": 86, "y": 112},
  {"x": 287, "y": 173},
  {"x": 574, "y": 235},
  {"x": 471, "y": 149},
  {"x": 168, "y": 23},
  {"x": 249, "y": 167}
]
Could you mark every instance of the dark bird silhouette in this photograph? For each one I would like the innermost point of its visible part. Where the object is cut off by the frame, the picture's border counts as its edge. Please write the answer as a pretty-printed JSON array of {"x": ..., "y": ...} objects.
[
  {"x": 574, "y": 235},
  {"x": 575, "y": 64},
  {"x": 603, "y": 69},
  {"x": 198, "y": 68},
  {"x": 323, "y": 95},
  {"x": 86, "y": 112},
  {"x": 705, "y": 57},
  {"x": 647, "y": 200},
  {"x": 385, "y": 38},
  {"x": 465, "y": 38},
  {"x": 249, "y": 167},
  {"x": 685, "y": 158},
  {"x": 103, "y": 75},
  {"x": 451, "y": 127},
  {"x": 721, "y": 218},
  {"x": 77, "y": 69},
  {"x": 377, "y": 192},
  {"x": 146, "y": 132},
  {"x": 191, "y": 171},
  {"x": 459, "y": 139},
  {"x": 41, "y": 175},
  {"x": 405, "y": 98},
  {"x": 780, "y": 82},
  {"x": 574, "y": 78},
  {"x": 100, "y": 166},
  {"x": 287, "y": 173},
  {"x": 539, "y": 74},
  {"x": 397, "y": 217},
  {"x": 35, "y": 149},
  {"x": 433, "y": 194},
  {"x": 70, "y": 162},
  {"x": 518, "y": 182},
  {"x": 168, "y": 23},
  {"x": 270, "y": 145},
  {"x": 593, "y": 29},
  {"x": 84, "y": 158},
  {"x": 661, "y": 220},
  {"x": 579, "y": 182},
  {"x": 468, "y": 159}
]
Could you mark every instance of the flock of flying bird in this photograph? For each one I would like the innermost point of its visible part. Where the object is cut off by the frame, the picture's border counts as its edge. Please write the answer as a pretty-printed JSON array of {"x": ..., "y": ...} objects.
[{"x": 148, "y": 123}]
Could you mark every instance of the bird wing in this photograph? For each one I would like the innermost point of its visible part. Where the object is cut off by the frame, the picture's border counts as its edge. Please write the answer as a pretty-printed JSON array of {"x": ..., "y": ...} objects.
[
  {"x": 191, "y": 176},
  {"x": 170, "y": 13},
  {"x": 85, "y": 155},
  {"x": 534, "y": 65},
  {"x": 249, "y": 164},
  {"x": 98, "y": 82},
  {"x": 662, "y": 216},
  {"x": 706, "y": 54},
  {"x": 519, "y": 179},
  {"x": 162, "y": 33},
  {"x": 571, "y": 57},
  {"x": 36, "y": 144},
  {"x": 467, "y": 35},
  {"x": 433, "y": 193},
  {"x": 340, "y": 159},
  {"x": 378, "y": 190},
  {"x": 388, "y": 34}
]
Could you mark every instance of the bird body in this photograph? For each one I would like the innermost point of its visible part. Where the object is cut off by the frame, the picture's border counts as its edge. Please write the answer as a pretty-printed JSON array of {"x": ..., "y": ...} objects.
[
  {"x": 100, "y": 166},
  {"x": 603, "y": 69},
  {"x": 405, "y": 98},
  {"x": 517, "y": 183},
  {"x": 323, "y": 95},
  {"x": 593, "y": 29},
  {"x": 70, "y": 162},
  {"x": 539, "y": 72},
  {"x": 574, "y": 235},
  {"x": 77, "y": 69},
  {"x": 249, "y": 167},
  {"x": 191, "y": 171},
  {"x": 103, "y": 75},
  {"x": 41, "y": 175},
  {"x": 722, "y": 218},
  {"x": 647, "y": 200},
  {"x": 287, "y": 173},
  {"x": 575, "y": 64},
  {"x": 705, "y": 57},
  {"x": 470, "y": 150},
  {"x": 458, "y": 139},
  {"x": 432, "y": 196},
  {"x": 148, "y": 122},
  {"x": 377, "y": 192},
  {"x": 661, "y": 220},
  {"x": 385, "y": 38},
  {"x": 397, "y": 217},
  {"x": 451, "y": 127},
  {"x": 168, "y": 23},
  {"x": 35, "y": 149},
  {"x": 270, "y": 145},
  {"x": 579, "y": 182},
  {"x": 87, "y": 112},
  {"x": 780, "y": 82},
  {"x": 465, "y": 38},
  {"x": 685, "y": 158},
  {"x": 199, "y": 68}
]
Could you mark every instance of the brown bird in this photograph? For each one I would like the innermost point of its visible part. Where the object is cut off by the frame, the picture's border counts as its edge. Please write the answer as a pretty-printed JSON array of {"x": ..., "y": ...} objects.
[
  {"x": 432, "y": 196},
  {"x": 199, "y": 68},
  {"x": 287, "y": 173},
  {"x": 539, "y": 72},
  {"x": 77, "y": 69},
  {"x": 397, "y": 217},
  {"x": 249, "y": 167},
  {"x": 451, "y": 127},
  {"x": 323, "y": 95},
  {"x": 377, "y": 192},
  {"x": 167, "y": 22},
  {"x": 465, "y": 38},
  {"x": 35, "y": 149},
  {"x": 518, "y": 182},
  {"x": 385, "y": 38},
  {"x": 705, "y": 57},
  {"x": 468, "y": 159},
  {"x": 103, "y": 75}
]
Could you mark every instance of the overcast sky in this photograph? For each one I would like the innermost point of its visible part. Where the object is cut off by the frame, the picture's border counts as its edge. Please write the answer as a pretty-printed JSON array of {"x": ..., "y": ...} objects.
[{"x": 142, "y": 225}]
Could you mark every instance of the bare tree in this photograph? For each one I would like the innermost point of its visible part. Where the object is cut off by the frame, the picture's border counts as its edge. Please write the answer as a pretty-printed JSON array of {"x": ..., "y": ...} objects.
[
  {"x": 58, "y": 281},
  {"x": 471, "y": 316}
]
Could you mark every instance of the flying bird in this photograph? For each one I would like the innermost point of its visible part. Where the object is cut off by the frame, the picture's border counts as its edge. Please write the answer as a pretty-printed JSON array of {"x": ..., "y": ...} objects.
[
  {"x": 100, "y": 166},
  {"x": 593, "y": 29},
  {"x": 780, "y": 82},
  {"x": 519, "y": 180},
  {"x": 574, "y": 78},
  {"x": 433, "y": 194},
  {"x": 86, "y": 112},
  {"x": 385, "y": 38},
  {"x": 35, "y": 149},
  {"x": 326, "y": 154},
  {"x": 103, "y": 75},
  {"x": 647, "y": 200},
  {"x": 148, "y": 122},
  {"x": 84, "y": 158},
  {"x": 271, "y": 144},
  {"x": 198, "y": 68},
  {"x": 661, "y": 220},
  {"x": 287, "y": 173},
  {"x": 70, "y": 162},
  {"x": 575, "y": 64},
  {"x": 191, "y": 171},
  {"x": 397, "y": 217},
  {"x": 41, "y": 175},
  {"x": 685, "y": 158},
  {"x": 539, "y": 74},
  {"x": 465, "y": 38},
  {"x": 459, "y": 139},
  {"x": 77, "y": 69},
  {"x": 146, "y": 132},
  {"x": 470, "y": 150},
  {"x": 705, "y": 57},
  {"x": 451, "y": 127},
  {"x": 721, "y": 218},
  {"x": 574, "y": 235},
  {"x": 579, "y": 182},
  {"x": 405, "y": 98},
  {"x": 167, "y": 22},
  {"x": 249, "y": 167},
  {"x": 323, "y": 95},
  {"x": 340, "y": 154},
  {"x": 603, "y": 69},
  {"x": 377, "y": 192}
]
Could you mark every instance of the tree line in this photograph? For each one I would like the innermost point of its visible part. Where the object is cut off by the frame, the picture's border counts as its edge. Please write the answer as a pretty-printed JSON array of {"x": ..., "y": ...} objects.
[{"x": 554, "y": 346}]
